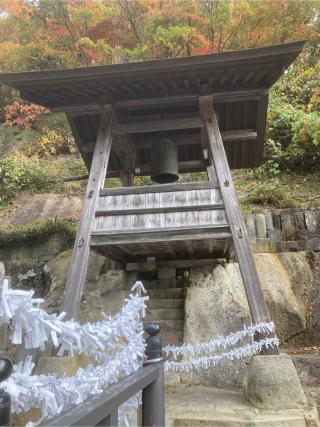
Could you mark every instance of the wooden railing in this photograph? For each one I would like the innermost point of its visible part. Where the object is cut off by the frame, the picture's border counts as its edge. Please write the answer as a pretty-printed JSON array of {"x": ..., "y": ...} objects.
[{"x": 102, "y": 410}]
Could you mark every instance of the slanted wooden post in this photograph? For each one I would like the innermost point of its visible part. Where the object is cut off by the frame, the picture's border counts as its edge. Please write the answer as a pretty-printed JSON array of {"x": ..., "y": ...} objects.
[
  {"x": 250, "y": 278},
  {"x": 79, "y": 262}
]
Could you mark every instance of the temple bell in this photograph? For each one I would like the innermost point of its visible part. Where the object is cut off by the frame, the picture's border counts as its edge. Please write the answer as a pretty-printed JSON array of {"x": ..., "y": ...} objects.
[{"x": 164, "y": 161}]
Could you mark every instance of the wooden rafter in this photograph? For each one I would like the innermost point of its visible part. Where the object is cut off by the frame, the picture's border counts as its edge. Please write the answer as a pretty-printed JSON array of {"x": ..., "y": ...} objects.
[{"x": 192, "y": 98}]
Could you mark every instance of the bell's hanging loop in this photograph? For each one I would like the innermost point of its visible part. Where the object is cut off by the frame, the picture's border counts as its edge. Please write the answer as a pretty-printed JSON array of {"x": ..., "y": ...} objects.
[{"x": 164, "y": 162}]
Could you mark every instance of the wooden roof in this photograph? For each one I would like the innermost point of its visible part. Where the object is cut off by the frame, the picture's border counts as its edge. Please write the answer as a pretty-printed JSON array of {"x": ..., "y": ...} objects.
[{"x": 159, "y": 98}]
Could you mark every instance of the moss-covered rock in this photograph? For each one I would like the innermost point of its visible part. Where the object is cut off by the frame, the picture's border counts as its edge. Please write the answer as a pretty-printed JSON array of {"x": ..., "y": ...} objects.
[{"x": 10, "y": 235}]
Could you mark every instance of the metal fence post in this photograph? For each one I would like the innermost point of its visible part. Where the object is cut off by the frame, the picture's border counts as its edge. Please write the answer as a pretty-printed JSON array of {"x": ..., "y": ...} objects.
[
  {"x": 153, "y": 405},
  {"x": 6, "y": 368}
]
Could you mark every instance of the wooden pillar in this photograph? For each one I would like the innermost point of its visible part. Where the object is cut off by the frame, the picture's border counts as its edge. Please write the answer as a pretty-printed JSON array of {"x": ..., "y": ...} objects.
[
  {"x": 128, "y": 180},
  {"x": 79, "y": 262},
  {"x": 251, "y": 282}
]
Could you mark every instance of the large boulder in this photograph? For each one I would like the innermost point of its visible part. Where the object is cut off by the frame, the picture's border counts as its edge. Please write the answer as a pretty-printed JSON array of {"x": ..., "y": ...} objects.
[
  {"x": 56, "y": 272},
  {"x": 55, "y": 276},
  {"x": 106, "y": 295},
  {"x": 216, "y": 305},
  {"x": 105, "y": 289},
  {"x": 287, "y": 281}
]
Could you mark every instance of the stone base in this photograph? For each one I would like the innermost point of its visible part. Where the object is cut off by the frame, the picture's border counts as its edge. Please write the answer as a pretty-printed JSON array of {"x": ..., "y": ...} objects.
[
  {"x": 273, "y": 383},
  {"x": 195, "y": 406}
]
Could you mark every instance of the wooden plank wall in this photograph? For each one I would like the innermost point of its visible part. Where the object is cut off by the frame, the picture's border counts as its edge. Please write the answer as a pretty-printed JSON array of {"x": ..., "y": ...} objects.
[{"x": 158, "y": 210}]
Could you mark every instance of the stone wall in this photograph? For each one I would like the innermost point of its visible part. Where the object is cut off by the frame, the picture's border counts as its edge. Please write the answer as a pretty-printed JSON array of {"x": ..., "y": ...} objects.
[
  {"x": 24, "y": 262},
  {"x": 289, "y": 230}
]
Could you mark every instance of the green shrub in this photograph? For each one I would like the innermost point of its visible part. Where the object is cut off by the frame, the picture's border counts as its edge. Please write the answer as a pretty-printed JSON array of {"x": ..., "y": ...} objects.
[
  {"x": 293, "y": 136},
  {"x": 300, "y": 87},
  {"x": 271, "y": 192},
  {"x": 51, "y": 143},
  {"x": 18, "y": 173}
]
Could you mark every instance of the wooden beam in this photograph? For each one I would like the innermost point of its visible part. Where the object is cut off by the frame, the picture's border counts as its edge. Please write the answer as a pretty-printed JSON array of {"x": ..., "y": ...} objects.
[
  {"x": 238, "y": 135},
  {"x": 88, "y": 147},
  {"x": 124, "y": 148},
  {"x": 196, "y": 138},
  {"x": 162, "y": 188},
  {"x": 145, "y": 211},
  {"x": 145, "y": 169},
  {"x": 176, "y": 263},
  {"x": 75, "y": 178},
  {"x": 170, "y": 249},
  {"x": 79, "y": 140},
  {"x": 189, "y": 247},
  {"x": 80, "y": 109},
  {"x": 226, "y": 247},
  {"x": 183, "y": 166},
  {"x": 125, "y": 249},
  {"x": 182, "y": 99},
  {"x": 219, "y": 97},
  {"x": 157, "y": 125},
  {"x": 261, "y": 125},
  {"x": 160, "y": 235},
  {"x": 227, "y": 136},
  {"x": 251, "y": 282},
  {"x": 79, "y": 262}
]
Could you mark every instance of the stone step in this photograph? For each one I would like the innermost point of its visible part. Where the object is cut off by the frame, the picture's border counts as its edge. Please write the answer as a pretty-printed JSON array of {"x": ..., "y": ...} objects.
[
  {"x": 160, "y": 284},
  {"x": 171, "y": 331},
  {"x": 164, "y": 314},
  {"x": 172, "y": 293},
  {"x": 174, "y": 324},
  {"x": 165, "y": 303}
]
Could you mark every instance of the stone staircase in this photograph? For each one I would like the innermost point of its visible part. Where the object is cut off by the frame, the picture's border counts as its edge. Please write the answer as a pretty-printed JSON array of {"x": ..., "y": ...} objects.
[{"x": 166, "y": 308}]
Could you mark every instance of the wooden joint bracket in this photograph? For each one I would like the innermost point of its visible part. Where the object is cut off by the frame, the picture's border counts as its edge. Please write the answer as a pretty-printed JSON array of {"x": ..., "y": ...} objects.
[
  {"x": 80, "y": 242},
  {"x": 239, "y": 233}
]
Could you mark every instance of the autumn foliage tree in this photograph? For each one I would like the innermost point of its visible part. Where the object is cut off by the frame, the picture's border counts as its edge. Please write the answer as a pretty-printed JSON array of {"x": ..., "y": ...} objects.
[
  {"x": 49, "y": 34},
  {"x": 23, "y": 114},
  {"x": 44, "y": 34}
]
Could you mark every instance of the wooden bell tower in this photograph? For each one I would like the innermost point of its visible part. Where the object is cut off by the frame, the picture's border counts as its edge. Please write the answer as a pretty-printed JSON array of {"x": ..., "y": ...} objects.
[{"x": 212, "y": 107}]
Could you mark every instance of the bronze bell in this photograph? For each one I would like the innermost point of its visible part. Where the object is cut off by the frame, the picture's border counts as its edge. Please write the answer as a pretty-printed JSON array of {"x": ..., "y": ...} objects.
[{"x": 164, "y": 161}]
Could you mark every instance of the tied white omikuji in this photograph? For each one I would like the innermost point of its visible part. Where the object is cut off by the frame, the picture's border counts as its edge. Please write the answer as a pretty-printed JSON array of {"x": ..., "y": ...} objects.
[{"x": 116, "y": 343}]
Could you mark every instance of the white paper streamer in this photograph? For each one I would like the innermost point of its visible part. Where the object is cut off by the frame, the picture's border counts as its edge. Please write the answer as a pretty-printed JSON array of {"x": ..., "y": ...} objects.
[
  {"x": 53, "y": 394},
  {"x": 116, "y": 343},
  {"x": 209, "y": 361},
  {"x": 192, "y": 350},
  {"x": 33, "y": 327}
]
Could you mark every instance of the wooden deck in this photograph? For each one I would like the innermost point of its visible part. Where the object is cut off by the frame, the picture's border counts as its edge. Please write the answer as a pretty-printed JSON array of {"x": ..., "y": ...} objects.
[{"x": 173, "y": 220}]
